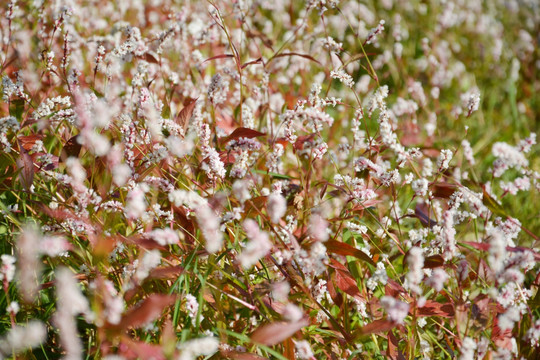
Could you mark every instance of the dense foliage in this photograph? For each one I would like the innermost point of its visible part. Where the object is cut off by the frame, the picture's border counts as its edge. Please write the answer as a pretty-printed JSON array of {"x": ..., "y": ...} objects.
[{"x": 276, "y": 179}]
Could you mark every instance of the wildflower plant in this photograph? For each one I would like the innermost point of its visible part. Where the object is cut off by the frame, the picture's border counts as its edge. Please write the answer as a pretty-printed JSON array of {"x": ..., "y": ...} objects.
[{"x": 269, "y": 179}]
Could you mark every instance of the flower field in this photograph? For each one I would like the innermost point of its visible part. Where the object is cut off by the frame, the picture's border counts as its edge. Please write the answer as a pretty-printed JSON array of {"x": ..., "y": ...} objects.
[{"x": 252, "y": 179}]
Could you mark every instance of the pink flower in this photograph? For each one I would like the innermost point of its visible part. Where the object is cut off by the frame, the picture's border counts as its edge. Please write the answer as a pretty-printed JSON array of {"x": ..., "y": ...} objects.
[{"x": 397, "y": 310}]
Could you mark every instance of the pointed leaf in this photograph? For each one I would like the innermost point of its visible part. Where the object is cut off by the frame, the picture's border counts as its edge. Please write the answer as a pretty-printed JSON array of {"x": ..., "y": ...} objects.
[
  {"x": 346, "y": 283},
  {"x": 26, "y": 165},
  {"x": 140, "y": 350},
  {"x": 72, "y": 148},
  {"x": 185, "y": 114},
  {"x": 256, "y": 61},
  {"x": 243, "y": 132},
  {"x": 150, "y": 309},
  {"x": 377, "y": 326},
  {"x": 28, "y": 141},
  {"x": 420, "y": 212},
  {"x": 443, "y": 190},
  {"x": 433, "y": 261},
  {"x": 221, "y": 56},
  {"x": 433, "y": 308},
  {"x": 274, "y": 333},
  {"x": 344, "y": 249}
]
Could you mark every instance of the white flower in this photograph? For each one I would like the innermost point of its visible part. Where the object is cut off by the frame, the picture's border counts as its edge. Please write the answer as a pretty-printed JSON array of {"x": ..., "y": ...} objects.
[
  {"x": 342, "y": 76},
  {"x": 415, "y": 260},
  {"x": 165, "y": 236},
  {"x": 276, "y": 206},
  {"x": 420, "y": 187},
  {"x": 468, "y": 346},
  {"x": 443, "y": 161},
  {"x": 259, "y": 244},
  {"x": 397, "y": 310},
  {"x": 20, "y": 338},
  {"x": 437, "y": 279},
  {"x": 303, "y": 350},
  {"x": 136, "y": 202},
  {"x": 210, "y": 223},
  {"x": 193, "y": 348}
]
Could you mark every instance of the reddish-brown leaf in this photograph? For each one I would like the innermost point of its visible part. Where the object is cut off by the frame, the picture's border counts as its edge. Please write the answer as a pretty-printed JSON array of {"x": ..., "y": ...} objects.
[
  {"x": 377, "y": 326},
  {"x": 26, "y": 165},
  {"x": 366, "y": 204},
  {"x": 392, "y": 351},
  {"x": 336, "y": 297},
  {"x": 27, "y": 142},
  {"x": 151, "y": 57},
  {"x": 394, "y": 289},
  {"x": 221, "y": 56},
  {"x": 72, "y": 148},
  {"x": 140, "y": 350},
  {"x": 166, "y": 272},
  {"x": 274, "y": 333},
  {"x": 443, "y": 190},
  {"x": 242, "y": 356},
  {"x": 150, "y": 309},
  {"x": 433, "y": 308},
  {"x": 185, "y": 114},
  {"x": 346, "y": 283},
  {"x": 228, "y": 157},
  {"x": 485, "y": 247},
  {"x": 258, "y": 202},
  {"x": 289, "y": 349},
  {"x": 421, "y": 213},
  {"x": 299, "y": 143},
  {"x": 243, "y": 132},
  {"x": 341, "y": 248},
  {"x": 433, "y": 261},
  {"x": 256, "y": 61},
  {"x": 50, "y": 164}
]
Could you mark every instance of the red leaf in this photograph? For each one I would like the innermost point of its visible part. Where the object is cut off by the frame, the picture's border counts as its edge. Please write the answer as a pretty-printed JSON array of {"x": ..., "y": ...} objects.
[
  {"x": 433, "y": 308},
  {"x": 485, "y": 247},
  {"x": 27, "y": 142},
  {"x": 71, "y": 148},
  {"x": 393, "y": 344},
  {"x": 346, "y": 283},
  {"x": 184, "y": 115},
  {"x": 168, "y": 272},
  {"x": 243, "y": 132},
  {"x": 53, "y": 164},
  {"x": 289, "y": 350},
  {"x": 228, "y": 157},
  {"x": 139, "y": 350},
  {"x": 242, "y": 356},
  {"x": 256, "y": 61},
  {"x": 337, "y": 298},
  {"x": 394, "y": 289},
  {"x": 299, "y": 143},
  {"x": 150, "y": 309},
  {"x": 25, "y": 163},
  {"x": 366, "y": 204},
  {"x": 433, "y": 261},
  {"x": 377, "y": 326},
  {"x": 151, "y": 57},
  {"x": 276, "y": 332},
  {"x": 221, "y": 56},
  {"x": 443, "y": 190},
  {"x": 341, "y": 248},
  {"x": 421, "y": 213}
]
